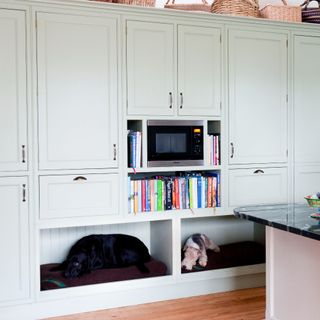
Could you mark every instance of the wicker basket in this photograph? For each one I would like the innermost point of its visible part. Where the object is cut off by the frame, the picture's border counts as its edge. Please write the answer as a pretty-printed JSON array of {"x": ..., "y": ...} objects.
[
  {"x": 236, "y": 7},
  {"x": 282, "y": 12},
  {"x": 204, "y": 6},
  {"x": 143, "y": 3},
  {"x": 311, "y": 15}
]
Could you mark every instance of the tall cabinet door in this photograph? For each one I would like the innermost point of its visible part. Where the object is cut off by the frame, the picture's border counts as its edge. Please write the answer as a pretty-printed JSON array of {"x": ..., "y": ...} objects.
[
  {"x": 150, "y": 68},
  {"x": 14, "y": 267},
  {"x": 306, "y": 70},
  {"x": 13, "y": 97},
  {"x": 257, "y": 97},
  {"x": 199, "y": 71},
  {"x": 77, "y": 91}
]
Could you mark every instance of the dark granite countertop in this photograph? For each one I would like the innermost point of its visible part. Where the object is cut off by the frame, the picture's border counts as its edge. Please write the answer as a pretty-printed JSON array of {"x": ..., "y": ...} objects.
[{"x": 294, "y": 218}]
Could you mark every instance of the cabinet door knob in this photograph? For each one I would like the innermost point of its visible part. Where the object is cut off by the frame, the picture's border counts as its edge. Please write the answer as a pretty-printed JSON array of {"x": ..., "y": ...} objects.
[
  {"x": 181, "y": 100},
  {"x": 170, "y": 100},
  {"x": 258, "y": 171},
  {"x": 232, "y": 150},
  {"x": 80, "y": 178}
]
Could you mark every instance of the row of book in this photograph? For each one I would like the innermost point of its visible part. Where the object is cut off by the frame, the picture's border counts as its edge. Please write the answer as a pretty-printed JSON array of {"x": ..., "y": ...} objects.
[
  {"x": 134, "y": 149},
  {"x": 161, "y": 193},
  {"x": 213, "y": 141}
]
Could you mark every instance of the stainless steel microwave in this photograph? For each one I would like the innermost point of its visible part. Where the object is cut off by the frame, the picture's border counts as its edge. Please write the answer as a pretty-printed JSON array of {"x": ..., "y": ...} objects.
[{"x": 175, "y": 143}]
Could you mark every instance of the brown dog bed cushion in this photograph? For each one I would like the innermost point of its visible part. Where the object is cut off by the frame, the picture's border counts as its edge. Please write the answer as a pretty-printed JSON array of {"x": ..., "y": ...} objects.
[
  {"x": 232, "y": 255},
  {"x": 55, "y": 279}
]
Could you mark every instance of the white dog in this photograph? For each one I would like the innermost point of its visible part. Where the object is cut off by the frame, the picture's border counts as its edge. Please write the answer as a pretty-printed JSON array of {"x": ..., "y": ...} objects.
[{"x": 195, "y": 249}]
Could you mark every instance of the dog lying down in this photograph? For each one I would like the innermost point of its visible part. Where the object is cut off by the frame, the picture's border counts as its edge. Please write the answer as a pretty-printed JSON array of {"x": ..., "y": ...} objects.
[
  {"x": 104, "y": 251},
  {"x": 195, "y": 249}
]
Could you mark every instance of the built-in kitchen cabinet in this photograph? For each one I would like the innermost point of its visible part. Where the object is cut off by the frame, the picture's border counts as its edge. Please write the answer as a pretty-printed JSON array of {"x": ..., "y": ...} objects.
[
  {"x": 199, "y": 71},
  {"x": 257, "y": 92},
  {"x": 151, "y": 65},
  {"x": 306, "y": 71},
  {"x": 77, "y": 91},
  {"x": 306, "y": 181},
  {"x": 13, "y": 91},
  {"x": 74, "y": 196},
  {"x": 14, "y": 241},
  {"x": 258, "y": 186}
]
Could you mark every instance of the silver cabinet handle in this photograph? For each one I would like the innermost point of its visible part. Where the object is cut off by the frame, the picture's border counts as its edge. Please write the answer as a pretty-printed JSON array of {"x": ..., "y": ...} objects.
[
  {"x": 232, "y": 150},
  {"x": 114, "y": 152},
  {"x": 23, "y": 152},
  {"x": 181, "y": 100},
  {"x": 258, "y": 171},
  {"x": 24, "y": 191},
  {"x": 170, "y": 100},
  {"x": 80, "y": 178}
]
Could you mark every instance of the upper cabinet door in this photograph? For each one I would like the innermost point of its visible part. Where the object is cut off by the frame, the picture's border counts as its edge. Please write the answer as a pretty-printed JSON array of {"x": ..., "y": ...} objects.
[
  {"x": 77, "y": 91},
  {"x": 306, "y": 71},
  {"x": 257, "y": 97},
  {"x": 199, "y": 71},
  {"x": 150, "y": 68},
  {"x": 13, "y": 92}
]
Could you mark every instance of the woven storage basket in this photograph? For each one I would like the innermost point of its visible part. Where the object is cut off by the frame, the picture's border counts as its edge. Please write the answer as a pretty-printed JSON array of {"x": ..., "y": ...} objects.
[
  {"x": 204, "y": 6},
  {"x": 282, "y": 12},
  {"x": 143, "y": 3},
  {"x": 236, "y": 7},
  {"x": 311, "y": 15}
]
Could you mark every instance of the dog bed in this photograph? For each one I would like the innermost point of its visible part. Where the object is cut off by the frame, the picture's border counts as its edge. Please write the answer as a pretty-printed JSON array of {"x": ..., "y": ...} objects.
[
  {"x": 56, "y": 280},
  {"x": 232, "y": 255}
]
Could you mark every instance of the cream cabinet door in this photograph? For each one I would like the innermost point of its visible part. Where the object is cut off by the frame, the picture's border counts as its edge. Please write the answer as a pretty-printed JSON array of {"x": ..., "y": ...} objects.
[
  {"x": 150, "y": 68},
  {"x": 257, "y": 97},
  {"x": 306, "y": 182},
  {"x": 14, "y": 267},
  {"x": 77, "y": 91},
  {"x": 257, "y": 186},
  {"x": 199, "y": 71},
  {"x": 13, "y": 96},
  {"x": 79, "y": 196},
  {"x": 306, "y": 70}
]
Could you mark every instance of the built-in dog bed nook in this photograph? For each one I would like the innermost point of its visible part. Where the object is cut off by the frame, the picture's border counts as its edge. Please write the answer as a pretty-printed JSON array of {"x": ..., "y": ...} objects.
[
  {"x": 232, "y": 255},
  {"x": 55, "y": 279}
]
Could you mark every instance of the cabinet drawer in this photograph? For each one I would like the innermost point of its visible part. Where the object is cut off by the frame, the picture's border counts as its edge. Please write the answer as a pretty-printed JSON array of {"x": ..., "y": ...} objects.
[
  {"x": 78, "y": 196},
  {"x": 257, "y": 186}
]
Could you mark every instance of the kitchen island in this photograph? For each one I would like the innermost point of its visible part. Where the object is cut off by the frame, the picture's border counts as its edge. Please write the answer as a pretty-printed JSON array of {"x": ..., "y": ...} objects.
[{"x": 292, "y": 259}]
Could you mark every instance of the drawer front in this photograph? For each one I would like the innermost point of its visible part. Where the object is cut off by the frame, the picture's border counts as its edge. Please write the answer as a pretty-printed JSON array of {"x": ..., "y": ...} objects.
[
  {"x": 257, "y": 186},
  {"x": 78, "y": 196}
]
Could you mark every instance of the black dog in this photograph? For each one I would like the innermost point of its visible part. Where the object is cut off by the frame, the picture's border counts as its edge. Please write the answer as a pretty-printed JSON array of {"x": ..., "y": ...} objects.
[{"x": 105, "y": 251}]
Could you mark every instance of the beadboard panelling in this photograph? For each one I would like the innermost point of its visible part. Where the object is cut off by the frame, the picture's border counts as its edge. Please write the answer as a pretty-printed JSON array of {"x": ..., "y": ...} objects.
[
  {"x": 222, "y": 230},
  {"x": 55, "y": 243}
]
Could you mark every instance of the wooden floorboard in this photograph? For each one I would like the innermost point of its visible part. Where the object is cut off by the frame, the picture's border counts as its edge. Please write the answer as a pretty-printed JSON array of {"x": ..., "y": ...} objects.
[{"x": 247, "y": 304}]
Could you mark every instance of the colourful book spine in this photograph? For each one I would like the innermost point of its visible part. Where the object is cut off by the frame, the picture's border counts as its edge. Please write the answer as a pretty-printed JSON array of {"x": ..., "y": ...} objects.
[
  {"x": 135, "y": 196},
  {"x": 148, "y": 196},
  {"x": 209, "y": 196},
  {"x": 143, "y": 195},
  {"x": 152, "y": 195},
  {"x": 129, "y": 194},
  {"x": 176, "y": 189},
  {"x": 139, "y": 196},
  {"x": 159, "y": 198},
  {"x": 199, "y": 186},
  {"x": 169, "y": 194},
  {"x": 191, "y": 192}
]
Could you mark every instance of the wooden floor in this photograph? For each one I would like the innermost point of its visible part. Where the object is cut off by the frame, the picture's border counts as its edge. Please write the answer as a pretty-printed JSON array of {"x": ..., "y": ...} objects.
[{"x": 247, "y": 304}]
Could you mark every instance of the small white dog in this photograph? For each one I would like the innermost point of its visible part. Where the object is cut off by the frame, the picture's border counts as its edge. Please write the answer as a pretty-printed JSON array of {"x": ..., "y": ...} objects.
[{"x": 195, "y": 249}]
